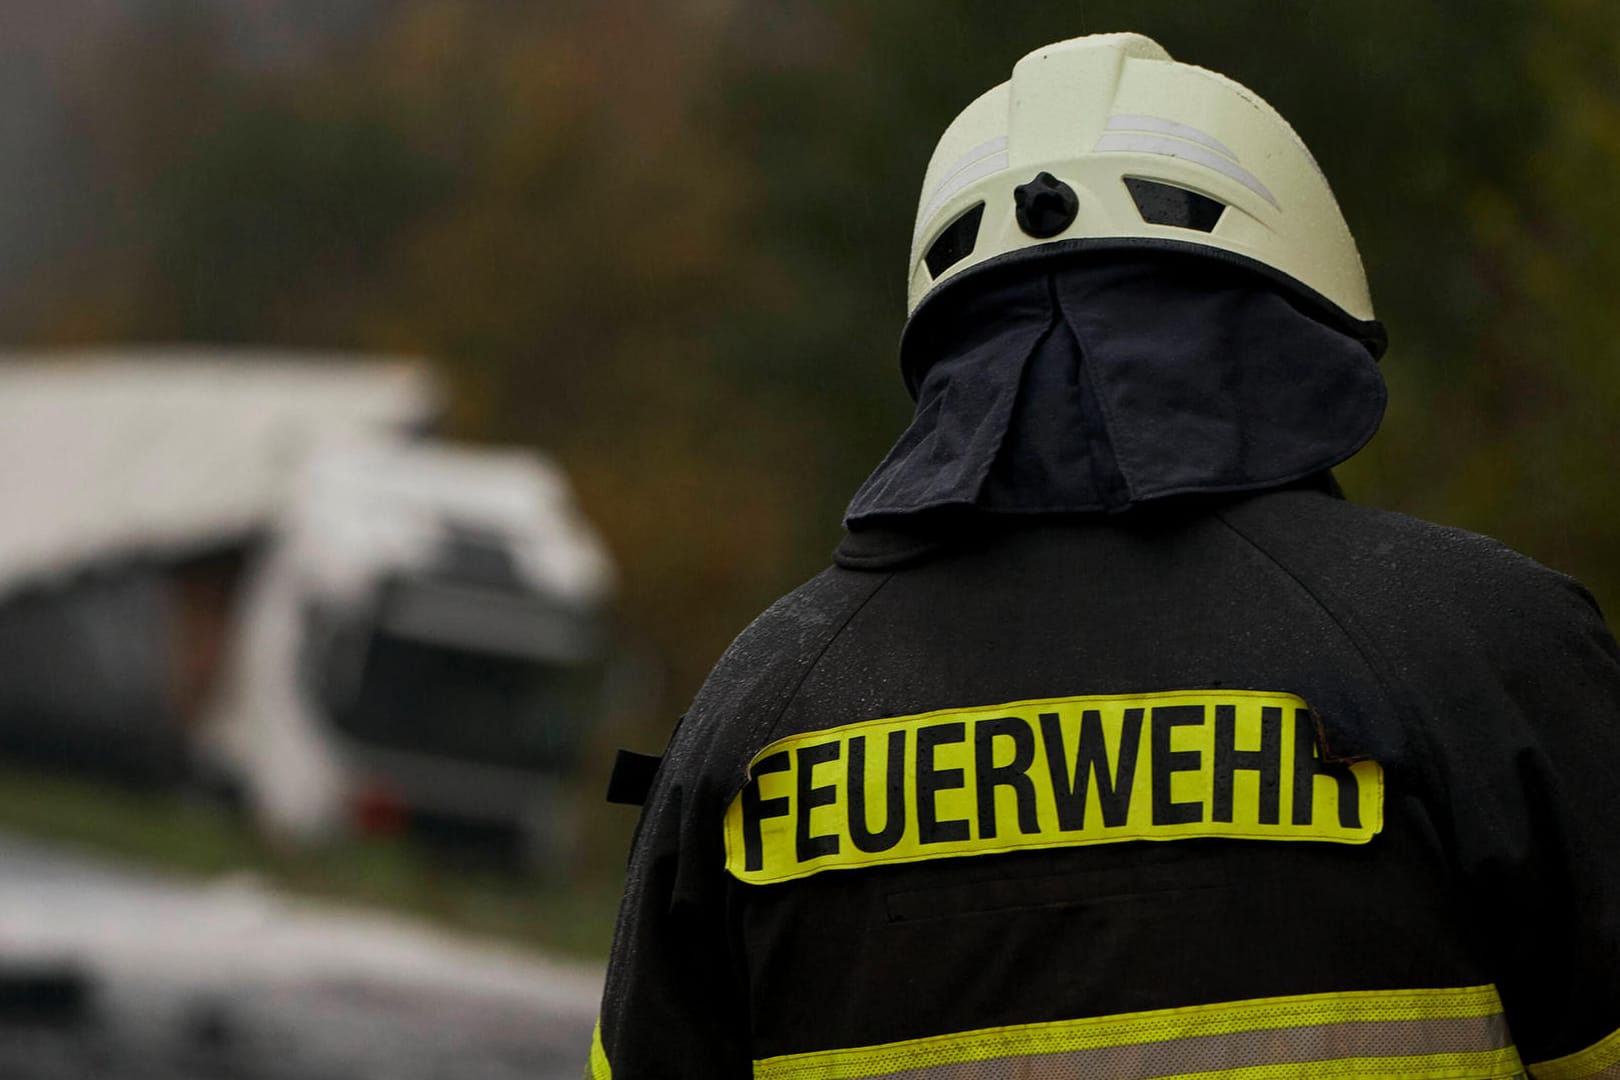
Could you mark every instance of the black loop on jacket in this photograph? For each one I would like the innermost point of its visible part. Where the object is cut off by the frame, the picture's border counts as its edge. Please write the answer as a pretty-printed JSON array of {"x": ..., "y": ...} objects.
[{"x": 632, "y": 777}]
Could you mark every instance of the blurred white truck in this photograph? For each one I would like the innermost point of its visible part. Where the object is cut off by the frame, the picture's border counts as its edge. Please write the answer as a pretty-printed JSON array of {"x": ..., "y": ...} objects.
[{"x": 422, "y": 644}]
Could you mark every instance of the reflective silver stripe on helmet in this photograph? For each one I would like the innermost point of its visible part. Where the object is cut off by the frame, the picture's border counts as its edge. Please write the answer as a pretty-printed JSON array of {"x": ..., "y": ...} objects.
[
  {"x": 1179, "y": 148},
  {"x": 1124, "y": 122},
  {"x": 984, "y": 159}
]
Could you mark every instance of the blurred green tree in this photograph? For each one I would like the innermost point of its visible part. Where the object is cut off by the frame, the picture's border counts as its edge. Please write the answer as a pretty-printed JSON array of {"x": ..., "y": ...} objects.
[
  {"x": 533, "y": 197},
  {"x": 666, "y": 242}
]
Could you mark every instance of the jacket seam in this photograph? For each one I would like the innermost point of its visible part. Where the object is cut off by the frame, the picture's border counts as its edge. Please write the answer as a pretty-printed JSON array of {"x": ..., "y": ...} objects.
[
  {"x": 762, "y": 734},
  {"x": 1389, "y": 689},
  {"x": 765, "y": 732},
  {"x": 1358, "y": 640}
]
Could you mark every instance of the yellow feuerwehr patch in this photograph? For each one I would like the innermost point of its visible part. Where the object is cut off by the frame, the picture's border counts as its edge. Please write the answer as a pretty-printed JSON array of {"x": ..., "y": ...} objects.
[{"x": 1057, "y": 772}]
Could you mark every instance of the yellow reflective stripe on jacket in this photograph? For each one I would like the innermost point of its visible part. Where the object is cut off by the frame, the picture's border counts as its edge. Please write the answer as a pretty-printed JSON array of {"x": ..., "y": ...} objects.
[
  {"x": 1601, "y": 1059},
  {"x": 1056, "y": 772},
  {"x": 597, "y": 1068},
  {"x": 1444, "y": 1034}
]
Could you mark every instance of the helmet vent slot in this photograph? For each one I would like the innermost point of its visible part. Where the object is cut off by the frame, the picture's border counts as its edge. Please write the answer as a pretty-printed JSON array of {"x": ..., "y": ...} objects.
[
  {"x": 956, "y": 242},
  {"x": 1166, "y": 204}
]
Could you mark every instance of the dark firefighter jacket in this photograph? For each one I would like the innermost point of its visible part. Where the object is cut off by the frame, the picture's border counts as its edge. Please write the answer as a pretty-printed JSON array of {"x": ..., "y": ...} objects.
[{"x": 1241, "y": 781}]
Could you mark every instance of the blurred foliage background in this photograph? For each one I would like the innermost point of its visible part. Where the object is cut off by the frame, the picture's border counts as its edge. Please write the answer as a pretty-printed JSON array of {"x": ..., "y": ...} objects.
[{"x": 665, "y": 241}]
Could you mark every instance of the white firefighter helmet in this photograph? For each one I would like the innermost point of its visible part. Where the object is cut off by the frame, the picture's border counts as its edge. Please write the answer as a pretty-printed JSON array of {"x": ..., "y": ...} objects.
[{"x": 1105, "y": 142}]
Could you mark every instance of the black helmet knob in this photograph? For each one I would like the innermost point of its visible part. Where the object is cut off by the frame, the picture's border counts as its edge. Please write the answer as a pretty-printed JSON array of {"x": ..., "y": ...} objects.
[{"x": 1046, "y": 206}]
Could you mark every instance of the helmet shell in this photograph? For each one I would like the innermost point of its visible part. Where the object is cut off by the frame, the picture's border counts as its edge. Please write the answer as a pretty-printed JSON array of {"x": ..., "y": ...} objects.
[{"x": 1098, "y": 111}]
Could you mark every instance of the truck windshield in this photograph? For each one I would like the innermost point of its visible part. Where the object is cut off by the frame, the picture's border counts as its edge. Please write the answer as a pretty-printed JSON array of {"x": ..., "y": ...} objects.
[{"x": 474, "y": 705}]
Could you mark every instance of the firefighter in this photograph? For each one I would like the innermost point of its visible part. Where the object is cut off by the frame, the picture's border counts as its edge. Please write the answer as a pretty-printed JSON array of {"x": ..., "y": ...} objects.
[{"x": 1117, "y": 743}]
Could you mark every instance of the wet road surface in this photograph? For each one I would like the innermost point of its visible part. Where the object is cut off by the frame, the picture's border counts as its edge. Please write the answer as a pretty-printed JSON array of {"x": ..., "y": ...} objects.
[{"x": 110, "y": 971}]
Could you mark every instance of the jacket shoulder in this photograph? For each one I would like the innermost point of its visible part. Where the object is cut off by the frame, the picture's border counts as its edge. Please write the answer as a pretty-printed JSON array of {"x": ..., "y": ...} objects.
[
  {"x": 1401, "y": 560},
  {"x": 755, "y": 678},
  {"x": 1425, "y": 592}
]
